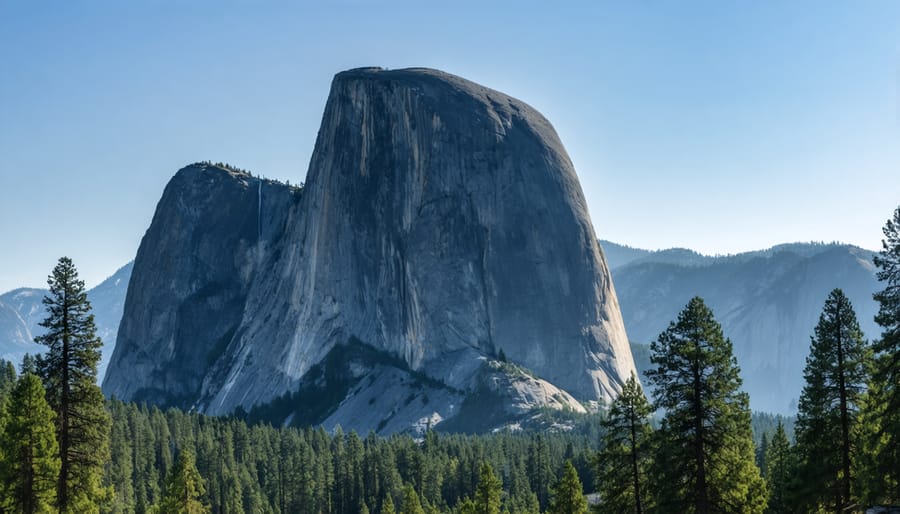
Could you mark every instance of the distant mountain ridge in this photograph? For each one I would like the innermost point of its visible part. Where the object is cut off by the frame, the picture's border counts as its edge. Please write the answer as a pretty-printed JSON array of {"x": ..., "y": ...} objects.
[
  {"x": 21, "y": 311},
  {"x": 619, "y": 255},
  {"x": 768, "y": 302}
]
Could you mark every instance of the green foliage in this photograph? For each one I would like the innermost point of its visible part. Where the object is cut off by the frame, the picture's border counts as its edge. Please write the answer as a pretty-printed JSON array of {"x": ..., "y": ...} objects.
[
  {"x": 567, "y": 496},
  {"x": 761, "y": 452},
  {"x": 487, "y": 494},
  {"x": 387, "y": 506},
  {"x": 704, "y": 460},
  {"x": 29, "y": 364},
  {"x": 7, "y": 379},
  {"x": 827, "y": 422},
  {"x": 780, "y": 468},
  {"x": 29, "y": 456},
  {"x": 295, "y": 188},
  {"x": 260, "y": 468},
  {"x": 540, "y": 469},
  {"x": 624, "y": 459},
  {"x": 881, "y": 459},
  {"x": 69, "y": 372},
  {"x": 411, "y": 502},
  {"x": 184, "y": 488},
  {"x": 764, "y": 423}
]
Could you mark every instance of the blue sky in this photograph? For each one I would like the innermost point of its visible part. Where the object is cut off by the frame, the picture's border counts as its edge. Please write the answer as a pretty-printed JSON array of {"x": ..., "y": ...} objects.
[{"x": 720, "y": 126}]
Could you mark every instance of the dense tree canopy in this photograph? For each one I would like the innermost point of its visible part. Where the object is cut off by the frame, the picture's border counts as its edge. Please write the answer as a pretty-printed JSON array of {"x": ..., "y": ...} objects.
[
  {"x": 29, "y": 456},
  {"x": 63, "y": 448}
]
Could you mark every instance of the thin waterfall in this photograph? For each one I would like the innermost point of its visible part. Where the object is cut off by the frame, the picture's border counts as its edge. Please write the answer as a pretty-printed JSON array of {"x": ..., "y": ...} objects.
[{"x": 259, "y": 212}]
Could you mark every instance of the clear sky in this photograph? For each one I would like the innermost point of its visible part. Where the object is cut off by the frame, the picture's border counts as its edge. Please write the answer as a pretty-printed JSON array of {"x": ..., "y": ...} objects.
[{"x": 719, "y": 126}]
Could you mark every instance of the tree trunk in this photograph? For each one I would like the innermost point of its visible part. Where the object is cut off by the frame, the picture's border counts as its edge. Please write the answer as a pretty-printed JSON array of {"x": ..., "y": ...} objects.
[
  {"x": 62, "y": 493},
  {"x": 701, "y": 493},
  {"x": 638, "y": 506},
  {"x": 844, "y": 486}
]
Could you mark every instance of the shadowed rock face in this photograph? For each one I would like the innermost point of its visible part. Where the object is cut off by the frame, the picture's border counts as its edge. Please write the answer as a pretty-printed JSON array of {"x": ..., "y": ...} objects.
[
  {"x": 441, "y": 222},
  {"x": 190, "y": 281}
]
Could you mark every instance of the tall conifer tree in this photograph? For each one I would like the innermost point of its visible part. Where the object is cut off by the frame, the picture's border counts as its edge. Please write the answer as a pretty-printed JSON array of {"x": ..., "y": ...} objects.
[
  {"x": 30, "y": 457},
  {"x": 881, "y": 459},
  {"x": 411, "y": 502},
  {"x": 567, "y": 496},
  {"x": 624, "y": 460},
  {"x": 387, "y": 506},
  {"x": 7, "y": 378},
  {"x": 487, "y": 494},
  {"x": 780, "y": 471},
  {"x": 836, "y": 374},
  {"x": 705, "y": 457},
  {"x": 184, "y": 488},
  {"x": 69, "y": 372}
]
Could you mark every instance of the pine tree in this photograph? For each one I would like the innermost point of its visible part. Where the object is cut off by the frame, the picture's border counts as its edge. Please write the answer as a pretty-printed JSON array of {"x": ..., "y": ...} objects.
[
  {"x": 761, "y": 453},
  {"x": 487, "y": 494},
  {"x": 29, "y": 364},
  {"x": 184, "y": 488},
  {"x": 69, "y": 372},
  {"x": 467, "y": 506},
  {"x": 567, "y": 496},
  {"x": 387, "y": 505},
  {"x": 881, "y": 458},
  {"x": 411, "y": 503},
  {"x": 7, "y": 378},
  {"x": 836, "y": 374},
  {"x": 539, "y": 470},
  {"x": 30, "y": 464},
  {"x": 780, "y": 470},
  {"x": 119, "y": 473},
  {"x": 704, "y": 459},
  {"x": 625, "y": 456}
]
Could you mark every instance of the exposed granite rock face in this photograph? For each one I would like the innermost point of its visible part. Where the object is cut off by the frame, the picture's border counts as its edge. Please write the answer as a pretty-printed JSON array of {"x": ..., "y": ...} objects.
[
  {"x": 191, "y": 275},
  {"x": 441, "y": 222},
  {"x": 15, "y": 337}
]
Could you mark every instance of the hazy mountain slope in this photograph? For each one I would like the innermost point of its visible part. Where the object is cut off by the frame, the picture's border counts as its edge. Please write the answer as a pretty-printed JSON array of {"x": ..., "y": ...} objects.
[
  {"x": 441, "y": 222},
  {"x": 108, "y": 301},
  {"x": 768, "y": 302},
  {"x": 27, "y": 302},
  {"x": 619, "y": 255},
  {"x": 21, "y": 310},
  {"x": 15, "y": 336}
]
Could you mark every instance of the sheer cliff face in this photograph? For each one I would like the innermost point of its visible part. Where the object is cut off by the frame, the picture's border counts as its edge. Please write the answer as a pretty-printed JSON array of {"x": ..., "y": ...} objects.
[
  {"x": 191, "y": 276},
  {"x": 441, "y": 222}
]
